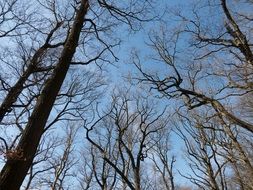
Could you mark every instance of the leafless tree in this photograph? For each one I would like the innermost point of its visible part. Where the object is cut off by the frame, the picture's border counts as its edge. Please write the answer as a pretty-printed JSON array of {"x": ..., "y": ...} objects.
[
  {"x": 40, "y": 165},
  {"x": 13, "y": 19},
  {"x": 203, "y": 153},
  {"x": 132, "y": 121},
  {"x": 163, "y": 161},
  {"x": 208, "y": 67},
  {"x": 233, "y": 75},
  {"x": 73, "y": 29},
  {"x": 54, "y": 164}
]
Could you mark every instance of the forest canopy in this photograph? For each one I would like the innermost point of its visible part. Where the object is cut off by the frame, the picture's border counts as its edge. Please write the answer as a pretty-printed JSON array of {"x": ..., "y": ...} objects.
[{"x": 134, "y": 94}]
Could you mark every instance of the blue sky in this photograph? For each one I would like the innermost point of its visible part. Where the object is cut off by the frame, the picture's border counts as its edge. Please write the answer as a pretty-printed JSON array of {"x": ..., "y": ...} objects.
[
  {"x": 138, "y": 41},
  {"x": 121, "y": 68}
]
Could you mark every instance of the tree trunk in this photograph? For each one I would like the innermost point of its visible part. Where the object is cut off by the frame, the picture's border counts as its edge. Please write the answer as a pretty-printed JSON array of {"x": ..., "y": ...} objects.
[
  {"x": 16, "y": 89},
  {"x": 19, "y": 85},
  {"x": 15, "y": 170},
  {"x": 137, "y": 179}
]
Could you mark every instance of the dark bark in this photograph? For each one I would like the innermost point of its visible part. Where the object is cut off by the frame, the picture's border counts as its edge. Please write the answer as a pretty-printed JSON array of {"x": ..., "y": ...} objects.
[
  {"x": 219, "y": 108},
  {"x": 16, "y": 89},
  {"x": 15, "y": 170},
  {"x": 235, "y": 31}
]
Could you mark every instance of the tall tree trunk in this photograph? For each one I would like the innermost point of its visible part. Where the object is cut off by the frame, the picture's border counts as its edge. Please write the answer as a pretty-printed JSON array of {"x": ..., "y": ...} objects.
[
  {"x": 15, "y": 170},
  {"x": 15, "y": 91},
  {"x": 18, "y": 87},
  {"x": 137, "y": 179}
]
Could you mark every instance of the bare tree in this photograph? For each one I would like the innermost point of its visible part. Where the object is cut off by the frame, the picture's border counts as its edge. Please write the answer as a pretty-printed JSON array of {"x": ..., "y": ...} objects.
[
  {"x": 163, "y": 161},
  {"x": 204, "y": 153},
  {"x": 12, "y": 19},
  {"x": 40, "y": 165},
  {"x": 132, "y": 121},
  {"x": 42, "y": 109},
  {"x": 207, "y": 75},
  {"x": 77, "y": 27},
  {"x": 234, "y": 80}
]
